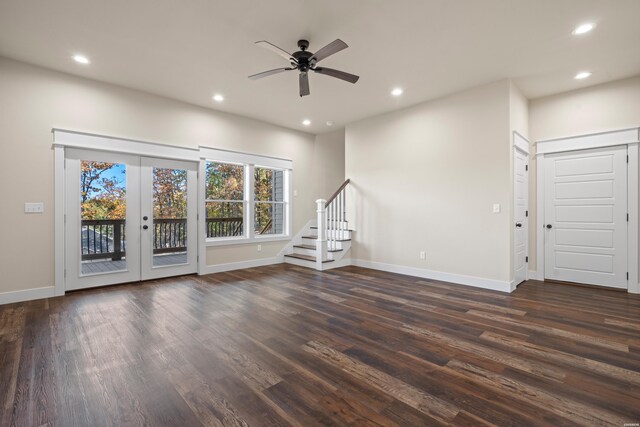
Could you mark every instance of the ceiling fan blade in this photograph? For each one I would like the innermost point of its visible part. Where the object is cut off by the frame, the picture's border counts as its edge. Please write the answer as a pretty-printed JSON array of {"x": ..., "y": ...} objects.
[
  {"x": 351, "y": 78},
  {"x": 304, "y": 84},
  {"x": 269, "y": 73},
  {"x": 334, "y": 47},
  {"x": 275, "y": 49}
]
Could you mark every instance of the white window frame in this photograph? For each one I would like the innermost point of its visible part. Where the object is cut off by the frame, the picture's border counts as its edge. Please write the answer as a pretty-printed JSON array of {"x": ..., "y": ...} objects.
[
  {"x": 285, "y": 202},
  {"x": 249, "y": 161},
  {"x": 243, "y": 201}
]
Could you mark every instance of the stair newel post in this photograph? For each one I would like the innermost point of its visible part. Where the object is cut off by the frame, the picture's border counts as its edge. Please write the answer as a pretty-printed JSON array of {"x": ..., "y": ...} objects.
[{"x": 321, "y": 242}]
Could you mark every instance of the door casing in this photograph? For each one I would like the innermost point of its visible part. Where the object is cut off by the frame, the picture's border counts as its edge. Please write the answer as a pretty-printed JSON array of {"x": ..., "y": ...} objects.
[
  {"x": 67, "y": 139},
  {"x": 630, "y": 138}
]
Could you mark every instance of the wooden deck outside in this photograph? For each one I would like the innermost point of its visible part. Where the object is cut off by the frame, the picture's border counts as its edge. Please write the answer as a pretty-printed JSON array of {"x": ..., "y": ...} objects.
[{"x": 159, "y": 260}]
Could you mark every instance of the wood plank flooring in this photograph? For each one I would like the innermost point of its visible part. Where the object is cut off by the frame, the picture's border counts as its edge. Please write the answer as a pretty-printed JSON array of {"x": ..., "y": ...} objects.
[{"x": 285, "y": 345}]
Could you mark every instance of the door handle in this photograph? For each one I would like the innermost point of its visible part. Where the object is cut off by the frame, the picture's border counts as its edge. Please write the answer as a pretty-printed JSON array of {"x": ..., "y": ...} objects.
[
  {"x": 549, "y": 226},
  {"x": 144, "y": 218},
  {"x": 518, "y": 224},
  {"x": 144, "y": 227}
]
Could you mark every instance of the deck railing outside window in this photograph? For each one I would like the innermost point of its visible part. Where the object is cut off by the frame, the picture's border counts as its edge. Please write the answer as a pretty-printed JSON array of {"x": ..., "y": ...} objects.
[{"x": 105, "y": 239}]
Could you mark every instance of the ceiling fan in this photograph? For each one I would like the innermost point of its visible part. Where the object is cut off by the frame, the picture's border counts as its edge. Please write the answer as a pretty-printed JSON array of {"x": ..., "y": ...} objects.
[{"x": 305, "y": 61}]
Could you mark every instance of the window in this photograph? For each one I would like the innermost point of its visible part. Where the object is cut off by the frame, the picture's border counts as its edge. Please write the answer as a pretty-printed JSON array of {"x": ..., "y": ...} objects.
[
  {"x": 224, "y": 204},
  {"x": 245, "y": 202},
  {"x": 268, "y": 189}
]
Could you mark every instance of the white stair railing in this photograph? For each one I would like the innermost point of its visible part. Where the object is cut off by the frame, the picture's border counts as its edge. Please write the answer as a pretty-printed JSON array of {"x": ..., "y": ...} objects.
[{"x": 332, "y": 225}]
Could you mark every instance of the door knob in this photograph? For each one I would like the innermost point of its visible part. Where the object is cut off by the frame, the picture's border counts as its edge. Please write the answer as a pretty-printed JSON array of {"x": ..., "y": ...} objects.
[
  {"x": 549, "y": 226},
  {"x": 144, "y": 227},
  {"x": 144, "y": 218},
  {"x": 518, "y": 224}
]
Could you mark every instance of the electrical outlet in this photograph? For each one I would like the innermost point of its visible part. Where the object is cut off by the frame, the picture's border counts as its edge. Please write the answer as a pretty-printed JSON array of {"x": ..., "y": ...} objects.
[
  {"x": 423, "y": 255},
  {"x": 259, "y": 248},
  {"x": 295, "y": 193},
  {"x": 496, "y": 208}
]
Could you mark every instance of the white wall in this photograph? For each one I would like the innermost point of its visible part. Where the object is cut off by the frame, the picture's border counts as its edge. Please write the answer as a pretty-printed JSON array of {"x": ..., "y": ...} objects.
[
  {"x": 605, "y": 107},
  {"x": 34, "y": 100},
  {"x": 425, "y": 179},
  {"x": 328, "y": 168}
]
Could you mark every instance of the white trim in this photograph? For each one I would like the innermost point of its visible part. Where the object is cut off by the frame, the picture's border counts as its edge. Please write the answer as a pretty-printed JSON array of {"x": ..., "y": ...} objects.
[
  {"x": 89, "y": 141},
  {"x": 539, "y": 226},
  {"x": 58, "y": 219},
  {"x": 628, "y": 137},
  {"x": 478, "y": 282},
  {"x": 521, "y": 142},
  {"x": 584, "y": 142},
  {"x": 632, "y": 224},
  {"x": 533, "y": 275},
  {"x": 218, "y": 268},
  {"x": 230, "y": 241},
  {"x": 215, "y": 154},
  {"x": 202, "y": 248},
  {"x": 27, "y": 295}
]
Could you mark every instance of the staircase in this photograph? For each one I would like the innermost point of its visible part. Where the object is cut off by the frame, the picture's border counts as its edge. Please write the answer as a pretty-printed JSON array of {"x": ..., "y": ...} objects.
[{"x": 324, "y": 244}]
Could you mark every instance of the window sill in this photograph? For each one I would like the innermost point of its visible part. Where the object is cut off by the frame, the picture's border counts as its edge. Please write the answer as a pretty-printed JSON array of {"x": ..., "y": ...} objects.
[{"x": 227, "y": 241}]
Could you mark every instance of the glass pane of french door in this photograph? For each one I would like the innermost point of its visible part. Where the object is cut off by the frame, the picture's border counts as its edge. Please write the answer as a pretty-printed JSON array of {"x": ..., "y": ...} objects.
[
  {"x": 169, "y": 216},
  {"x": 102, "y": 205}
]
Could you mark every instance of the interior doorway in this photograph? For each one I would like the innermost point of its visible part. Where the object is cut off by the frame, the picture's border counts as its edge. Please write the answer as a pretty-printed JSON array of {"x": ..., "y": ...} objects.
[{"x": 587, "y": 209}]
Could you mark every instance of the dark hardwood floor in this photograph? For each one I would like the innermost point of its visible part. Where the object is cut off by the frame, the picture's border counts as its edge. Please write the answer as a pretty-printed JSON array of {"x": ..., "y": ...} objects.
[{"x": 283, "y": 345}]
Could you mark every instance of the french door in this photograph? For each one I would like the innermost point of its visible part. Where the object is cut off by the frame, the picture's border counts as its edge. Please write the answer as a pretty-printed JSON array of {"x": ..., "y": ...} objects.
[{"x": 128, "y": 218}]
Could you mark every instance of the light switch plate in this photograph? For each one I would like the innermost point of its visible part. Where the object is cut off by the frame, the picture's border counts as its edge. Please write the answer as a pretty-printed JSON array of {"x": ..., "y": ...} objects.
[
  {"x": 34, "y": 207},
  {"x": 496, "y": 208}
]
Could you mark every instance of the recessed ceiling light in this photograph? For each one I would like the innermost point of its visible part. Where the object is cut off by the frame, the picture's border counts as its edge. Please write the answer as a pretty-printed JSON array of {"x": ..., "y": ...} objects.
[
  {"x": 329, "y": 123},
  {"x": 306, "y": 122},
  {"x": 218, "y": 98},
  {"x": 396, "y": 92},
  {"x": 582, "y": 75},
  {"x": 584, "y": 28},
  {"x": 81, "y": 59}
]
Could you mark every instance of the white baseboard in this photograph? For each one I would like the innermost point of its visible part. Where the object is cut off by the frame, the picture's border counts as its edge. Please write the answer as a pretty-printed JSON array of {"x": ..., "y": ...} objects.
[
  {"x": 26, "y": 295},
  {"x": 219, "y": 268},
  {"x": 533, "y": 275},
  {"x": 478, "y": 282}
]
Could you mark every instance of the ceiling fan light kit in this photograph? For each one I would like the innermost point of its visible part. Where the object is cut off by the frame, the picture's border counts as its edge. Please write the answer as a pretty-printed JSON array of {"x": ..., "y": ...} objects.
[{"x": 304, "y": 61}]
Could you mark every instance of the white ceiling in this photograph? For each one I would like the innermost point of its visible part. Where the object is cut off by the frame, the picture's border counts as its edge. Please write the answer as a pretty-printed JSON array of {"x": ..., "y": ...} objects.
[{"x": 189, "y": 50}]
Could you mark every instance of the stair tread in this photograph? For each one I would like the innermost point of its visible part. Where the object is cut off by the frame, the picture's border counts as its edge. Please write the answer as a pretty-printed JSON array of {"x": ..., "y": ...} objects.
[
  {"x": 312, "y": 247},
  {"x": 315, "y": 237},
  {"x": 305, "y": 257},
  {"x": 332, "y": 229}
]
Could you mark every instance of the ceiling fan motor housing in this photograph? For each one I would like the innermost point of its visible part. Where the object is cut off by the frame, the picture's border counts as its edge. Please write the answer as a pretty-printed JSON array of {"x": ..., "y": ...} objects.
[{"x": 303, "y": 57}]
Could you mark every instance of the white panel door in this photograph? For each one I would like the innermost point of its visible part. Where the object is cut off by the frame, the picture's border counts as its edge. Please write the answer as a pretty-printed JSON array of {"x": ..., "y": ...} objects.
[
  {"x": 586, "y": 216},
  {"x": 169, "y": 217},
  {"x": 521, "y": 219}
]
